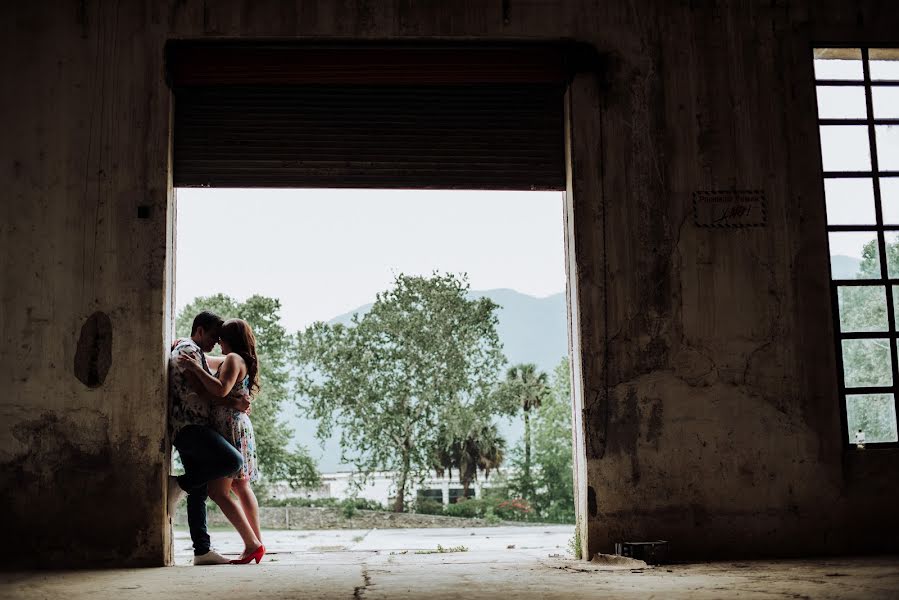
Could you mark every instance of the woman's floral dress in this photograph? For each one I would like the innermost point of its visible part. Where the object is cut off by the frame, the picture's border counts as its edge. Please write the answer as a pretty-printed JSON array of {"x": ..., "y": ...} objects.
[{"x": 236, "y": 427}]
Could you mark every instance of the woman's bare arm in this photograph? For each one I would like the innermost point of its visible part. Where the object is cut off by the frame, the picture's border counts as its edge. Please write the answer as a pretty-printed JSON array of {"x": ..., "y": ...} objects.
[
  {"x": 214, "y": 362},
  {"x": 217, "y": 386},
  {"x": 241, "y": 403}
]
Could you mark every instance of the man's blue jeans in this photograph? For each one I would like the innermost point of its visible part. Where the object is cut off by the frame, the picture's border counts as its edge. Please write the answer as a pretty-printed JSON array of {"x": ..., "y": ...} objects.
[{"x": 206, "y": 456}]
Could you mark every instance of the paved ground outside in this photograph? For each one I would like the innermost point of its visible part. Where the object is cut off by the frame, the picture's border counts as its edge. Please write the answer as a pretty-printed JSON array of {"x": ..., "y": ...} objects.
[{"x": 291, "y": 546}]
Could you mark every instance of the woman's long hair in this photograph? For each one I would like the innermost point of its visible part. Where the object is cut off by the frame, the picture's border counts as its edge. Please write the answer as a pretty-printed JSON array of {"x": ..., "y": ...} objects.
[{"x": 237, "y": 334}]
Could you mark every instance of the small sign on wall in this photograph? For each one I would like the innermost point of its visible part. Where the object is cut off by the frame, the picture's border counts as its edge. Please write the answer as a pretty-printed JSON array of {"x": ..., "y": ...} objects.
[{"x": 730, "y": 209}]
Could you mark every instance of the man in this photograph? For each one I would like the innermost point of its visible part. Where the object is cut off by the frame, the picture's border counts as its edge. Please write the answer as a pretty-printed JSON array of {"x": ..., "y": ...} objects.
[{"x": 205, "y": 454}]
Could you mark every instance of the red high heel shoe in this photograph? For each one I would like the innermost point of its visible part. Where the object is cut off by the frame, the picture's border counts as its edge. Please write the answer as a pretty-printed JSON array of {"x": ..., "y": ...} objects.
[{"x": 256, "y": 555}]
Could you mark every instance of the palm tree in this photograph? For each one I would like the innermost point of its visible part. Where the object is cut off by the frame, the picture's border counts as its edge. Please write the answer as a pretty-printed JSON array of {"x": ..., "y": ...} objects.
[
  {"x": 481, "y": 449},
  {"x": 527, "y": 388}
]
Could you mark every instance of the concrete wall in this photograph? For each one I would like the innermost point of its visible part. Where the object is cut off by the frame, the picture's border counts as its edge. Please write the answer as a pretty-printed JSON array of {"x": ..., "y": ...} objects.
[{"x": 711, "y": 417}]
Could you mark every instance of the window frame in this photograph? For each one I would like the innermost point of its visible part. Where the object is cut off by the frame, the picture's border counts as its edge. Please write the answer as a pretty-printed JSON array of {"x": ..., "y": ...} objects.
[{"x": 884, "y": 282}]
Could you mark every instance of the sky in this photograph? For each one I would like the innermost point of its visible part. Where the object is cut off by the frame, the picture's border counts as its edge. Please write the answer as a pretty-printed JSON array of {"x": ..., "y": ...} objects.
[{"x": 326, "y": 252}]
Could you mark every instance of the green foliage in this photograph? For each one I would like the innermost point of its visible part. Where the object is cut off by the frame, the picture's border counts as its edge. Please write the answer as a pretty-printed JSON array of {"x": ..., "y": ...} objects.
[
  {"x": 479, "y": 447},
  {"x": 866, "y": 362},
  {"x": 527, "y": 389},
  {"x": 574, "y": 544},
  {"x": 491, "y": 517},
  {"x": 358, "y": 503},
  {"x": 471, "y": 508},
  {"x": 302, "y": 502},
  {"x": 495, "y": 509},
  {"x": 428, "y": 506},
  {"x": 423, "y": 353},
  {"x": 549, "y": 478},
  {"x": 553, "y": 453},
  {"x": 348, "y": 508},
  {"x": 367, "y": 504},
  {"x": 273, "y": 347}
]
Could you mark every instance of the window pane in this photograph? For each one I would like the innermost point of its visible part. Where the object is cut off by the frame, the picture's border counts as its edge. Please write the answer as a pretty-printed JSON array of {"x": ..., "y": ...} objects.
[
  {"x": 874, "y": 415},
  {"x": 889, "y": 199},
  {"x": 841, "y": 102},
  {"x": 845, "y": 148},
  {"x": 854, "y": 255},
  {"x": 886, "y": 102},
  {"x": 862, "y": 308},
  {"x": 884, "y": 64},
  {"x": 896, "y": 304},
  {"x": 887, "y": 147},
  {"x": 891, "y": 242},
  {"x": 867, "y": 363},
  {"x": 838, "y": 63},
  {"x": 850, "y": 202}
]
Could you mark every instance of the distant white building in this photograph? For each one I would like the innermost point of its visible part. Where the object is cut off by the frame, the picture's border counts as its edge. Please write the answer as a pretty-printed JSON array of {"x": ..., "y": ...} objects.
[{"x": 381, "y": 487}]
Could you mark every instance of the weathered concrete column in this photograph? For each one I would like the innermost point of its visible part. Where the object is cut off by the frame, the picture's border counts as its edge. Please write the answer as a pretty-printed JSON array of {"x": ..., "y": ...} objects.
[
  {"x": 585, "y": 265},
  {"x": 85, "y": 234}
]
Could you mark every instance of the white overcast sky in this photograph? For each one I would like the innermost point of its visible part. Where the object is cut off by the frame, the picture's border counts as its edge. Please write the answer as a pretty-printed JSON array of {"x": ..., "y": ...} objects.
[
  {"x": 326, "y": 252},
  {"x": 846, "y": 148}
]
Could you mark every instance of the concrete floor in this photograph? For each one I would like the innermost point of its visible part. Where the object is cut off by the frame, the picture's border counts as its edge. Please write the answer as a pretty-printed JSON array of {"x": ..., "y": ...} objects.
[{"x": 383, "y": 564}]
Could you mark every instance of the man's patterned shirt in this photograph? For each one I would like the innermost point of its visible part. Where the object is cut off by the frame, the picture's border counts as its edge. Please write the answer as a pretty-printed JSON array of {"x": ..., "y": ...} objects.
[{"x": 187, "y": 406}]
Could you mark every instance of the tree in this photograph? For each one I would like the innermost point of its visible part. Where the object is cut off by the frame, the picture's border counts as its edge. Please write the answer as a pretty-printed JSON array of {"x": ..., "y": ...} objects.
[
  {"x": 389, "y": 379},
  {"x": 277, "y": 461},
  {"x": 866, "y": 362},
  {"x": 481, "y": 448},
  {"x": 527, "y": 389},
  {"x": 553, "y": 461}
]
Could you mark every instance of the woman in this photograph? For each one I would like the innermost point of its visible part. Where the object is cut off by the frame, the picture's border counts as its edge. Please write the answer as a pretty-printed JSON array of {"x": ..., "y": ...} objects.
[{"x": 237, "y": 374}]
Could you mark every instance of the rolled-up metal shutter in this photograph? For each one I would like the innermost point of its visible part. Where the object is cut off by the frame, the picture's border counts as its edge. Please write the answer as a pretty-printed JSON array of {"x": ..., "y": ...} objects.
[{"x": 381, "y": 117}]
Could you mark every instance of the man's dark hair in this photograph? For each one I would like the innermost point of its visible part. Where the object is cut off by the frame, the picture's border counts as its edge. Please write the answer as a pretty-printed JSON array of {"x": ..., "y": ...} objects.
[{"x": 207, "y": 320}]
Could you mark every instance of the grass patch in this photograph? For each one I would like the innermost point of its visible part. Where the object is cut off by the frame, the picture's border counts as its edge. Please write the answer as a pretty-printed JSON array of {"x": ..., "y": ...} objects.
[
  {"x": 574, "y": 544},
  {"x": 441, "y": 550}
]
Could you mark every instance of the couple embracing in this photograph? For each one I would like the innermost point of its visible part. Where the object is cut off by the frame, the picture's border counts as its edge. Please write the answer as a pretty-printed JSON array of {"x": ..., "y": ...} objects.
[{"x": 210, "y": 426}]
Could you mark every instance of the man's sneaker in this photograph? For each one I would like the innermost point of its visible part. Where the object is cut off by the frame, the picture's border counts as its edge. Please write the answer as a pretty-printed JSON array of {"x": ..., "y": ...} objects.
[
  {"x": 210, "y": 558},
  {"x": 174, "y": 494}
]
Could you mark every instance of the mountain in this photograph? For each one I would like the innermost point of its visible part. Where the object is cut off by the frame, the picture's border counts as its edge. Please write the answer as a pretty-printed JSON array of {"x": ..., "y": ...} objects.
[
  {"x": 844, "y": 267},
  {"x": 530, "y": 329}
]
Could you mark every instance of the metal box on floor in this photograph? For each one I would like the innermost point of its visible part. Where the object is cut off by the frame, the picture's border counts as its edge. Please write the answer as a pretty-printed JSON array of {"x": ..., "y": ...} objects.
[{"x": 654, "y": 553}]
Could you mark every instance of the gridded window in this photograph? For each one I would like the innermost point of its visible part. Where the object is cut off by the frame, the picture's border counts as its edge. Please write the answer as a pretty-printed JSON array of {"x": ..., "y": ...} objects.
[
  {"x": 456, "y": 493},
  {"x": 431, "y": 494},
  {"x": 858, "y": 120}
]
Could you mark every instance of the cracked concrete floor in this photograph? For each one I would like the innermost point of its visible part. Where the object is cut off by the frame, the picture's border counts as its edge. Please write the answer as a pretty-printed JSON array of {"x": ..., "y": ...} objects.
[
  {"x": 363, "y": 574},
  {"x": 383, "y": 564},
  {"x": 371, "y": 575}
]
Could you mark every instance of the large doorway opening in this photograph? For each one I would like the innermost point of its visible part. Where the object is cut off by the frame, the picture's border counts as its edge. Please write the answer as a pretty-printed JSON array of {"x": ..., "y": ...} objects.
[
  {"x": 484, "y": 131},
  {"x": 303, "y": 264}
]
